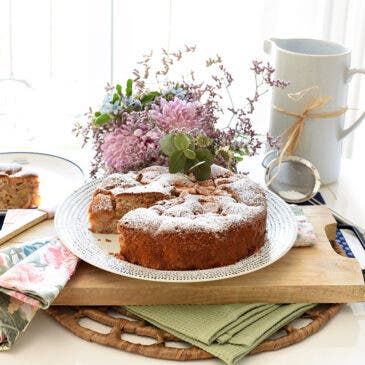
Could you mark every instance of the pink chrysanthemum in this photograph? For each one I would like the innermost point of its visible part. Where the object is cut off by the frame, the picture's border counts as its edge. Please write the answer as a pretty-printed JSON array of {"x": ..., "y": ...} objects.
[
  {"x": 177, "y": 114},
  {"x": 127, "y": 148}
]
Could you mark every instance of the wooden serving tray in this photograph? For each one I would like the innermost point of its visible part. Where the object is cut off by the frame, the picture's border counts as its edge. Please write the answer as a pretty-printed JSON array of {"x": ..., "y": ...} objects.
[
  {"x": 306, "y": 274},
  {"x": 19, "y": 220}
]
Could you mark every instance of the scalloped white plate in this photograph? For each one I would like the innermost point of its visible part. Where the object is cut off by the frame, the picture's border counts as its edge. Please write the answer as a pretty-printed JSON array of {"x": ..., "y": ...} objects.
[{"x": 71, "y": 223}]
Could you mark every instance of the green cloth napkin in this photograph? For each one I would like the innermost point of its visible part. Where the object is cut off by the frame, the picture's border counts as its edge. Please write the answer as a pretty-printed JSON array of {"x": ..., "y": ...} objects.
[
  {"x": 246, "y": 320},
  {"x": 212, "y": 319},
  {"x": 255, "y": 333},
  {"x": 183, "y": 322}
]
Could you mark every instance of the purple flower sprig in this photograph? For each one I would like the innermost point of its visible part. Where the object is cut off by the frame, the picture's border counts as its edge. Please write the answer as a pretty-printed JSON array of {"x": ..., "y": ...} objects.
[{"x": 267, "y": 72}]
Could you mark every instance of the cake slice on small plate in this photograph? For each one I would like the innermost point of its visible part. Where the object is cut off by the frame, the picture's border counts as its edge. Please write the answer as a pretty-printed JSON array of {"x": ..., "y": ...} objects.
[{"x": 19, "y": 189}]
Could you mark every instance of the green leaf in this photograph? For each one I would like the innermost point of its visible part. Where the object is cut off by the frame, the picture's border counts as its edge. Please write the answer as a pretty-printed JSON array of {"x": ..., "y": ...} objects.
[
  {"x": 188, "y": 165},
  {"x": 119, "y": 89},
  {"x": 167, "y": 144},
  {"x": 128, "y": 90},
  {"x": 177, "y": 162},
  {"x": 115, "y": 98},
  {"x": 182, "y": 141},
  {"x": 204, "y": 159},
  {"x": 97, "y": 114},
  {"x": 196, "y": 164},
  {"x": 102, "y": 119},
  {"x": 190, "y": 154},
  {"x": 147, "y": 98},
  {"x": 191, "y": 146},
  {"x": 202, "y": 154},
  {"x": 202, "y": 172}
]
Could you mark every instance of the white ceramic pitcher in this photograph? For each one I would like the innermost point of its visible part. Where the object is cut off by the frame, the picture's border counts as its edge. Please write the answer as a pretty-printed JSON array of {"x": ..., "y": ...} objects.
[{"x": 323, "y": 68}]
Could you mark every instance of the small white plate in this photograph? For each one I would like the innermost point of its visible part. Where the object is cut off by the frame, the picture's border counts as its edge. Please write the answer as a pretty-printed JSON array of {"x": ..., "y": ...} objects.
[
  {"x": 72, "y": 227},
  {"x": 58, "y": 177}
]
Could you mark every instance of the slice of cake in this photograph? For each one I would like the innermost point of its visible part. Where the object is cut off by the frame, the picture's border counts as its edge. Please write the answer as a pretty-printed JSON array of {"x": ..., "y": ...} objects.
[
  {"x": 173, "y": 222},
  {"x": 120, "y": 193},
  {"x": 19, "y": 189}
]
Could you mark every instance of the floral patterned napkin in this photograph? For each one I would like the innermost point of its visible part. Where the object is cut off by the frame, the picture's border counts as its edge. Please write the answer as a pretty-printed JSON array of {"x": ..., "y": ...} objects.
[
  {"x": 33, "y": 274},
  {"x": 31, "y": 277},
  {"x": 305, "y": 235}
]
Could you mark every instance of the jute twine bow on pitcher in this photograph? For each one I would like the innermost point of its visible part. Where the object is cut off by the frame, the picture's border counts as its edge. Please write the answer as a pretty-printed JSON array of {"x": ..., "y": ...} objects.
[{"x": 294, "y": 132}]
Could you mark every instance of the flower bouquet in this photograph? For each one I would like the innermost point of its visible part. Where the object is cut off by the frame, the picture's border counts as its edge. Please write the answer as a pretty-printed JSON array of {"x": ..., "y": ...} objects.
[{"x": 176, "y": 122}]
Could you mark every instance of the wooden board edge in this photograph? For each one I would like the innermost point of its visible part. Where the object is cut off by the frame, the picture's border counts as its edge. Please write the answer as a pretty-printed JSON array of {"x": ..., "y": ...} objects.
[
  {"x": 9, "y": 235},
  {"x": 295, "y": 294},
  {"x": 323, "y": 211}
]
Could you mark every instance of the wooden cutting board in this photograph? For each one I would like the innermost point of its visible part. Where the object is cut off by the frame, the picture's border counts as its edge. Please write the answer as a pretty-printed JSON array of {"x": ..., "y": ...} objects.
[
  {"x": 19, "y": 220},
  {"x": 305, "y": 274}
]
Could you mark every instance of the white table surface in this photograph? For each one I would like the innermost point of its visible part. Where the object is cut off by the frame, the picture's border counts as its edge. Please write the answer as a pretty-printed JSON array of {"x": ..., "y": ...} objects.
[{"x": 341, "y": 341}]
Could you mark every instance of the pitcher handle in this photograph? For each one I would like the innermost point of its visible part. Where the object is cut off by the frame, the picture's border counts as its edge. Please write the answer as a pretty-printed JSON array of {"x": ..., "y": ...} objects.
[
  {"x": 352, "y": 127},
  {"x": 354, "y": 71}
]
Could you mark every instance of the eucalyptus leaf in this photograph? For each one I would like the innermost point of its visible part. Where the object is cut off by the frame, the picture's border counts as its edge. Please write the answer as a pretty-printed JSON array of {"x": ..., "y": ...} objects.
[
  {"x": 196, "y": 164},
  {"x": 202, "y": 172},
  {"x": 191, "y": 146},
  {"x": 102, "y": 119},
  {"x": 188, "y": 165},
  {"x": 182, "y": 141},
  {"x": 177, "y": 162},
  {"x": 190, "y": 154},
  {"x": 203, "y": 154},
  {"x": 167, "y": 144}
]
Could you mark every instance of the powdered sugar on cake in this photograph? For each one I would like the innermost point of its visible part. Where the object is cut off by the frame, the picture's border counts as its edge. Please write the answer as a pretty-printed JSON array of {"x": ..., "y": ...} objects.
[
  {"x": 213, "y": 205},
  {"x": 181, "y": 203},
  {"x": 154, "y": 179},
  {"x": 15, "y": 170},
  {"x": 102, "y": 202},
  {"x": 192, "y": 213}
]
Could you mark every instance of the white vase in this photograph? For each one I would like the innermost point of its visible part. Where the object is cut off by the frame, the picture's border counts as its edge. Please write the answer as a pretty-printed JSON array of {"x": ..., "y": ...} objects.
[{"x": 323, "y": 69}]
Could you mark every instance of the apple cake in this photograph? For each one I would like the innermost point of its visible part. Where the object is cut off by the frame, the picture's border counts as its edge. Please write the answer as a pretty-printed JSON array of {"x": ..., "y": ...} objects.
[
  {"x": 174, "y": 222},
  {"x": 19, "y": 189}
]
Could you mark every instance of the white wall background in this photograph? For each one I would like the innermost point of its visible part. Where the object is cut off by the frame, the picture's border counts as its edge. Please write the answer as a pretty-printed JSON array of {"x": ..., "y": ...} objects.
[{"x": 66, "y": 50}]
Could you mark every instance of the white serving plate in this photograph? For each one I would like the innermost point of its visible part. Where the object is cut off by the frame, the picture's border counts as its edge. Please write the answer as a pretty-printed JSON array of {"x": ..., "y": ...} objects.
[{"x": 72, "y": 227}]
